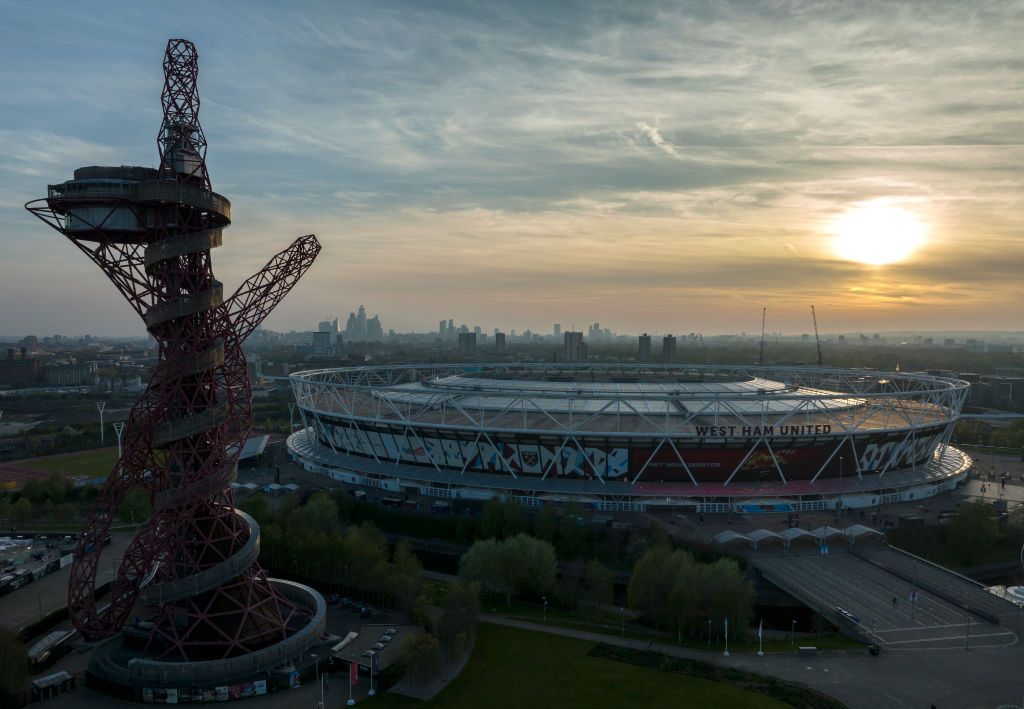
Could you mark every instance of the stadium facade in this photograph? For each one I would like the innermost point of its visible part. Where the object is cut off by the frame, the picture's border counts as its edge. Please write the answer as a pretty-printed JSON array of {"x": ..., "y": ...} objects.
[{"x": 633, "y": 437}]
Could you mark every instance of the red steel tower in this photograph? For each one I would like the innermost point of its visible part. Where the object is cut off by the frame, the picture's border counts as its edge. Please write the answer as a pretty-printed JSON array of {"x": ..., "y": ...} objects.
[{"x": 151, "y": 231}]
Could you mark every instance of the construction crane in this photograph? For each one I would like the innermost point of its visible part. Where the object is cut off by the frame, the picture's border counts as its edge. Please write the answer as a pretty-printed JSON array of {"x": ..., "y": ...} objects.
[
  {"x": 760, "y": 354},
  {"x": 817, "y": 340}
]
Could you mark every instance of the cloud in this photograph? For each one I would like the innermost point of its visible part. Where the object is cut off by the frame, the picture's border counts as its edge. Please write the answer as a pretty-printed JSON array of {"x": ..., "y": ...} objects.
[
  {"x": 653, "y": 135},
  {"x": 497, "y": 163}
]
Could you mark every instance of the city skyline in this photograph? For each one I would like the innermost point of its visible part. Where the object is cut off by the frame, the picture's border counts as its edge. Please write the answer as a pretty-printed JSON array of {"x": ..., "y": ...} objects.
[{"x": 643, "y": 168}]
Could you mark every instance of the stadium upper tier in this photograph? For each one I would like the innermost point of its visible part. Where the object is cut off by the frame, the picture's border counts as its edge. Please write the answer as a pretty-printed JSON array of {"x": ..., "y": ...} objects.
[{"x": 700, "y": 401}]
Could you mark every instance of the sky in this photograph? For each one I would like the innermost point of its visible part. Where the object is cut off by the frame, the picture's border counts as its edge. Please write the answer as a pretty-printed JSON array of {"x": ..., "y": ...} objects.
[{"x": 662, "y": 167}]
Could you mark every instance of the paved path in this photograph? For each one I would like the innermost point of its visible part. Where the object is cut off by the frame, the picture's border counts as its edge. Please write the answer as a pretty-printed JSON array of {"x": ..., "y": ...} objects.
[
  {"x": 984, "y": 678},
  {"x": 50, "y": 593},
  {"x": 878, "y": 600}
]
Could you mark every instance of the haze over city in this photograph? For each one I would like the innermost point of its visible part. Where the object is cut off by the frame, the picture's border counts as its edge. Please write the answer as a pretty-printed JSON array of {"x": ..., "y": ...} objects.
[{"x": 649, "y": 167}]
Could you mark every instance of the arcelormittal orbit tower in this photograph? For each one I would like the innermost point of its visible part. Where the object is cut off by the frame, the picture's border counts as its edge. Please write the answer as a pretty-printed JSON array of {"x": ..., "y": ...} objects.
[{"x": 213, "y": 615}]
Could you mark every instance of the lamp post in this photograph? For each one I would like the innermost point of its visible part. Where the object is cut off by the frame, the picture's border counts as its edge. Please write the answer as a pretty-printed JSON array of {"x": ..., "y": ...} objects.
[
  {"x": 99, "y": 406},
  {"x": 119, "y": 430},
  {"x": 709, "y": 634},
  {"x": 316, "y": 668},
  {"x": 545, "y": 600},
  {"x": 792, "y": 632}
]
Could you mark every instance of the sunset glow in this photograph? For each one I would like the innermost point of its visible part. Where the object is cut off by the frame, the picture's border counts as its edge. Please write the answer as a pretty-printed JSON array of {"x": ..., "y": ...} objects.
[{"x": 877, "y": 234}]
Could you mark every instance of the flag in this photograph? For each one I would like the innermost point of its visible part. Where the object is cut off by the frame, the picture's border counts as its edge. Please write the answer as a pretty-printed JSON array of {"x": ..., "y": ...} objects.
[
  {"x": 760, "y": 629},
  {"x": 727, "y": 627},
  {"x": 353, "y": 674},
  {"x": 327, "y": 683}
]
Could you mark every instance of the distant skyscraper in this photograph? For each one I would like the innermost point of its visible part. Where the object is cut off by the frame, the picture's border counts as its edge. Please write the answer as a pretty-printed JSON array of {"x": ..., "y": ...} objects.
[
  {"x": 499, "y": 342},
  {"x": 322, "y": 343},
  {"x": 442, "y": 329},
  {"x": 668, "y": 349},
  {"x": 645, "y": 347},
  {"x": 324, "y": 326},
  {"x": 467, "y": 343},
  {"x": 361, "y": 322},
  {"x": 451, "y": 329},
  {"x": 558, "y": 329},
  {"x": 575, "y": 348}
]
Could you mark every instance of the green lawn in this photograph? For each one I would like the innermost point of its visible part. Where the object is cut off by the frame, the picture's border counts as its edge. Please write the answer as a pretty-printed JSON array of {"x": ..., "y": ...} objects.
[
  {"x": 517, "y": 668},
  {"x": 610, "y": 623},
  {"x": 95, "y": 463}
]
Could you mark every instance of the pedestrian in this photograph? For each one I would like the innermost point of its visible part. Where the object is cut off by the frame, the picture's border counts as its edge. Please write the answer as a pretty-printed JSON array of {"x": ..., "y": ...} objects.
[{"x": 894, "y": 600}]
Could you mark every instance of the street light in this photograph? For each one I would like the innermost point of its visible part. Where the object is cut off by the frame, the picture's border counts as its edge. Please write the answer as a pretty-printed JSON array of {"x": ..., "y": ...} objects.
[
  {"x": 316, "y": 665},
  {"x": 709, "y": 634},
  {"x": 99, "y": 406},
  {"x": 119, "y": 430},
  {"x": 545, "y": 600}
]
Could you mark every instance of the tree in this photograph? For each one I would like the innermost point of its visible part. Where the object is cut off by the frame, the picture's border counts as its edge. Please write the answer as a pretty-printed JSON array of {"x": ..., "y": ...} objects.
[
  {"x": 259, "y": 507},
  {"x": 545, "y": 524},
  {"x": 973, "y": 532},
  {"x": 406, "y": 583},
  {"x": 519, "y": 565},
  {"x": 492, "y": 519},
  {"x": 597, "y": 586},
  {"x": 459, "y": 610},
  {"x": 319, "y": 514},
  {"x": 572, "y": 536},
  {"x": 514, "y": 520},
  {"x": 135, "y": 508},
  {"x": 21, "y": 512},
  {"x": 420, "y": 658}
]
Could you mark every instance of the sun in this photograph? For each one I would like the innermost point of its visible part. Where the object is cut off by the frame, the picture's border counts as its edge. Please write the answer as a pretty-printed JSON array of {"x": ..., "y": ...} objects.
[{"x": 877, "y": 234}]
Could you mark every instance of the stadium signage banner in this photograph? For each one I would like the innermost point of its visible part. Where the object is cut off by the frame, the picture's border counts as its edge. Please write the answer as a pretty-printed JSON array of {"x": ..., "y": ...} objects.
[{"x": 784, "y": 430}]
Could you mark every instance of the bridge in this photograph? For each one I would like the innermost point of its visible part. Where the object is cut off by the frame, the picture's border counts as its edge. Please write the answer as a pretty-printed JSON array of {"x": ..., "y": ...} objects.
[{"x": 884, "y": 596}]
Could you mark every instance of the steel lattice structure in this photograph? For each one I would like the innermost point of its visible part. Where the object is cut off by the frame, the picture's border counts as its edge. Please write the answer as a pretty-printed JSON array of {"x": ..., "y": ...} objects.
[
  {"x": 151, "y": 232},
  {"x": 622, "y": 430}
]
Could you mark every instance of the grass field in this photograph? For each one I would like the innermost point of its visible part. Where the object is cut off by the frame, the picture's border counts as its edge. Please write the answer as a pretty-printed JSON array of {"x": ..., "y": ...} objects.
[
  {"x": 95, "y": 463},
  {"x": 518, "y": 668},
  {"x": 610, "y": 623}
]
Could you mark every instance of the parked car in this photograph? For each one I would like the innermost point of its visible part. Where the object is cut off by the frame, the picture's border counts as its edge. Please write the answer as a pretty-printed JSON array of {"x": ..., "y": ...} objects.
[
  {"x": 378, "y": 646},
  {"x": 365, "y": 612}
]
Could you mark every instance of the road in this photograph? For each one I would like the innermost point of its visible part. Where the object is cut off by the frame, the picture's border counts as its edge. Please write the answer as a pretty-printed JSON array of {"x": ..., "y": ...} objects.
[{"x": 50, "y": 593}]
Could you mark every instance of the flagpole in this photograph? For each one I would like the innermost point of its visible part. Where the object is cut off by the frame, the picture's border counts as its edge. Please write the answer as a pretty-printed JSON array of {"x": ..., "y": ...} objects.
[
  {"x": 726, "y": 653},
  {"x": 351, "y": 701}
]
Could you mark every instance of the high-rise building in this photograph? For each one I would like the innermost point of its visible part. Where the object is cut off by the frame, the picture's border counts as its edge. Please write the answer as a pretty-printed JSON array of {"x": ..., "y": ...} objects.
[
  {"x": 668, "y": 349},
  {"x": 374, "y": 330},
  {"x": 322, "y": 343},
  {"x": 575, "y": 348},
  {"x": 499, "y": 342},
  {"x": 442, "y": 329},
  {"x": 451, "y": 329},
  {"x": 361, "y": 321},
  {"x": 325, "y": 326},
  {"x": 645, "y": 347},
  {"x": 558, "y": 329},
  {"x": 467, "y": 343}
]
